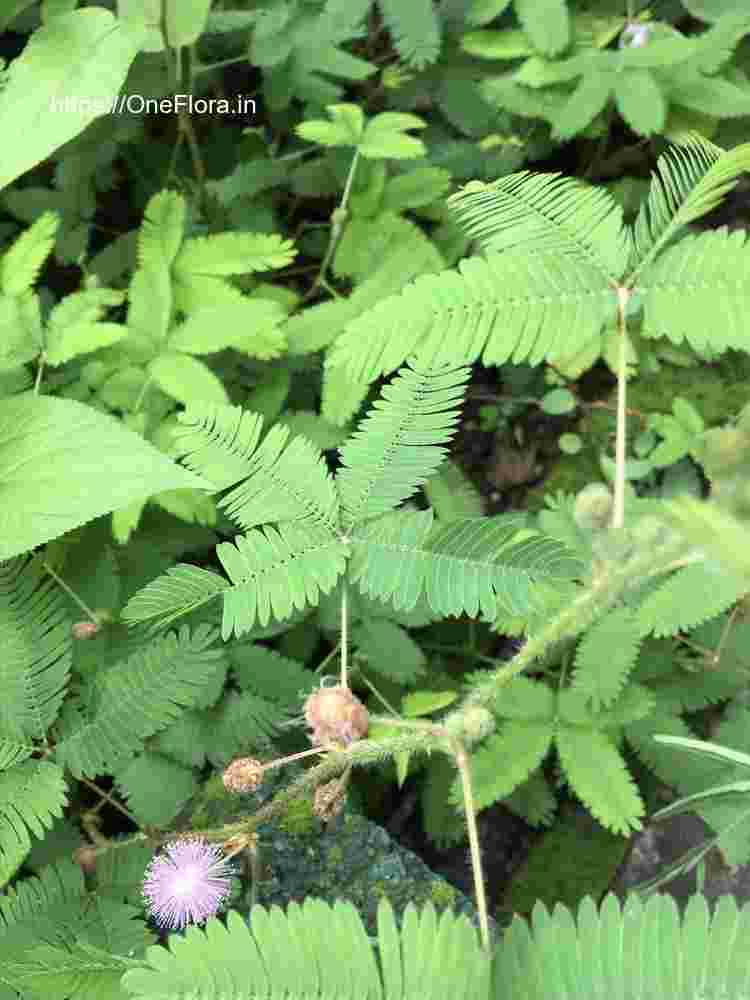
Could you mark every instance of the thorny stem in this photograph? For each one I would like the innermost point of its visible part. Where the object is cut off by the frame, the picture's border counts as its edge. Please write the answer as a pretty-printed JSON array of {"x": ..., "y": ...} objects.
[{"x": 462, "y": 763}]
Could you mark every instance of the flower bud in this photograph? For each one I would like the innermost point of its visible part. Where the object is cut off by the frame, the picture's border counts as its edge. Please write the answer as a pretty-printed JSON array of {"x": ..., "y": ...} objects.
[
  {"x": 85, "y": 630},
  {"x": 85, "y": 858},
  {"x": 243, "y": 775},
  {"x": 336, "y": 716}
]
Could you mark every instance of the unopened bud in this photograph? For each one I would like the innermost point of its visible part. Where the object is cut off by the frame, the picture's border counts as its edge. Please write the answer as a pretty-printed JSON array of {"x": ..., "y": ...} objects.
[
  {"x": 243, "y": 775},
  {"x": 85, "y": 630},
  {"x": 85, "y": 858}
]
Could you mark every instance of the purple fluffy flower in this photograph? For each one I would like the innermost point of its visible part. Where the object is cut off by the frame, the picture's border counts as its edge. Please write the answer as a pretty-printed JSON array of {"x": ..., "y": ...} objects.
[{"x": 187, "y": 883}]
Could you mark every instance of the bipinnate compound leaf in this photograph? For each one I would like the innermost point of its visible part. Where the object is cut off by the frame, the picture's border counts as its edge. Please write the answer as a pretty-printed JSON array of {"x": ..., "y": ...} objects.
[
  {"x": 182, "y": 589},
  {"x": 465, "y": 566},
  {"x": 321, "y": 951},
  {"x": 63, "y": 464},
  {"x": 67, "y": 76},
  {"x": 545, "y": 212},
  {"x": 690, "y": 179},
  {"x": 36, "y": 657},
  {"x": 401, "y": 442},
  {"x": 138, "y": 697},
  {"x": 276, "y": 570},
  {"x": 31, "y": 794}
]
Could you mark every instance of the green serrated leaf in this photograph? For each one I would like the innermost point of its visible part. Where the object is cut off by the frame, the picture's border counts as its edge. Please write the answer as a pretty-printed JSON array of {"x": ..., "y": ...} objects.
[
  {"x": 187, "y": 379},
  {"x": 546, "y": 22},
  {"x": 640, "y": 101}
]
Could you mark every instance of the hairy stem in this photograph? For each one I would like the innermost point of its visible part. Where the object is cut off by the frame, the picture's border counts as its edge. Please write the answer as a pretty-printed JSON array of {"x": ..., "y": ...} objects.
[{"x": 462, "y": 763}]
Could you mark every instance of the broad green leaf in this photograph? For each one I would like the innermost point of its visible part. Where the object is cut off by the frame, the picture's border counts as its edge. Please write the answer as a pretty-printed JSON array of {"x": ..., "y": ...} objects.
[
  {"x": 186, "y": 379},
  {"x": 489, "y": 44},
  {"x": 63, "y": 464},
  {"x": 546, "y": 22},
  {"x": 74, "y": 325},
  {"x": 587, "y": 100},
  {"x": 82, "y": 338},
  {"x": 426, "y": 702},
  {"x": 570, "y": 444},
  {"x": 233, "y": 253},
  {"x": 12, "y": 9},
  {"x": 345, "y": 128},
  {"x": 415, "y": 188},
  {"x": 54, "y": 8},
  {"x": 640, "y": 101},
  {"x": 712, "y": 10},
  {"x": 558, "y": 401},
  {"x": 484, "y": 11},
  {"x": 384, "y": 137},
  {"x": 214, "y": 329},
  {"x": 186, "y": 20},
  {"x": 67, "y": 76}
]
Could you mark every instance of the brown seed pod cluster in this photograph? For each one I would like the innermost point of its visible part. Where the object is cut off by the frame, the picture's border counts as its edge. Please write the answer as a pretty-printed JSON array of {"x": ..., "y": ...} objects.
[
  {"x": 335, "y": 717},
  {"x": 243, "y": 775},
  {"x": 329, "y": 799}
]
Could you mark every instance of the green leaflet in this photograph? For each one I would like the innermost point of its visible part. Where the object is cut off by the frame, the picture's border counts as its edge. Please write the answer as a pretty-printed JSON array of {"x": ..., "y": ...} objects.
[{"x": 31, "y": 794}]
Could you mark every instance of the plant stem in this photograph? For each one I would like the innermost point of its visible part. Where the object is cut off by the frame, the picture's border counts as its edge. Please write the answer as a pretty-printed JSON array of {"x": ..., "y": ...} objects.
[
  {"x": 462, "y": 763},
  {"x": 338, "y": 221},
  {"x": 344, "y": 633},
  {"x": 71, "y": 594},
  {"x": 106, "y": 797},
  {"x": 618, "y": 510}
]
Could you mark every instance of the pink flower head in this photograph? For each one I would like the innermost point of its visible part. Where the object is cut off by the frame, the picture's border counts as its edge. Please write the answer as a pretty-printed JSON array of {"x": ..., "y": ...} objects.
[{"x": 187, "y": 883}]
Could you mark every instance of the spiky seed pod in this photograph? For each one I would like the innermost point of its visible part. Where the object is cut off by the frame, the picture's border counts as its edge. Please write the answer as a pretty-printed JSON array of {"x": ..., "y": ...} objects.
[
  {"x": 593, "y": 507},
  {"x": 243, "y": 775},
  {"x": 335, "y": 716},
  {"x": 478, "y": 723}
]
